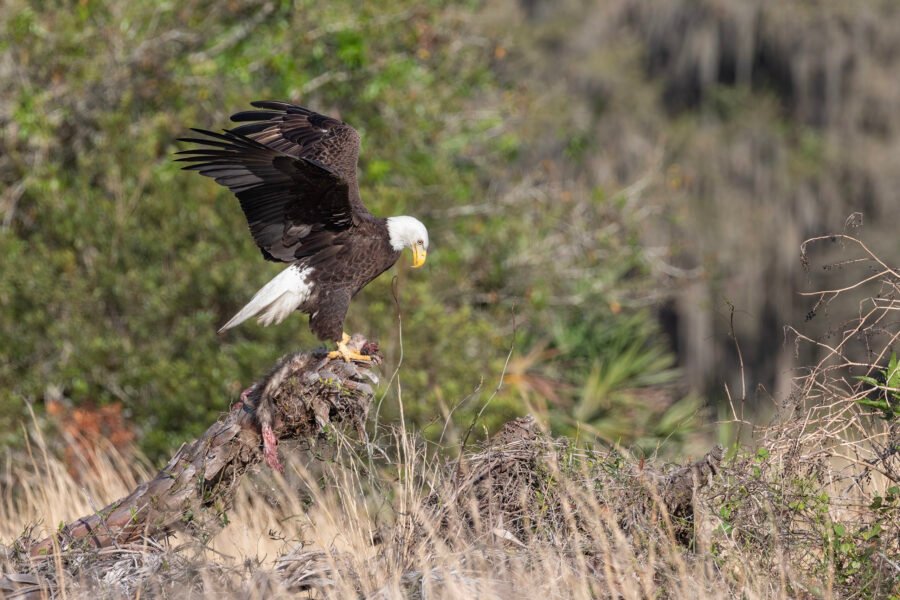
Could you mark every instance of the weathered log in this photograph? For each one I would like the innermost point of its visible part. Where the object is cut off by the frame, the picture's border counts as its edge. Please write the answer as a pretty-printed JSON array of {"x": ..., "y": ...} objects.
[
  {"x": 680, "y": 486},
  {"x": 505, "y": 480},
  {"x": 303, "y": 394}
]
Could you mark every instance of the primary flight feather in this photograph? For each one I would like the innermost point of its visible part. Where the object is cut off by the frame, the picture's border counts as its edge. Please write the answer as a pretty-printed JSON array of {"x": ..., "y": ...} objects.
[{"x": 294, "y": 172}]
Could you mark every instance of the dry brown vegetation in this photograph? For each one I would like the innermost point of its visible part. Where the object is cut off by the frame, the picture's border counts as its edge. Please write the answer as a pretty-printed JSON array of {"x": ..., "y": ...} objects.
[{"x": 813, "y": 510}]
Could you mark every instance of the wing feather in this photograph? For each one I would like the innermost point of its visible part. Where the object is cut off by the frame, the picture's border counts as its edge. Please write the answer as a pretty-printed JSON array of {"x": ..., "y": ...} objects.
[
  {"x": 303, "y": 133},
  {"x": 294, "y": 204}
]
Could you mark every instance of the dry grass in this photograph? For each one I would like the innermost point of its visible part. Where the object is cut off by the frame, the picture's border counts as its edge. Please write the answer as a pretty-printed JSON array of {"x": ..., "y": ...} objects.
[
  {"x": 813, "y": 511},
  {"x": 529, "y": 516}
]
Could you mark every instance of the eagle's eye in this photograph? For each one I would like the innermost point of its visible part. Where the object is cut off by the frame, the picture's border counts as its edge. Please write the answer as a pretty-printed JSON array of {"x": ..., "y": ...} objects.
[{"x": 420, "y": 242}]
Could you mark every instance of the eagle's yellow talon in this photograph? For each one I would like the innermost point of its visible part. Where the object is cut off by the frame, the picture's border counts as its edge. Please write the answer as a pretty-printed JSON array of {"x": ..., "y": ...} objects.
[{"x": 346, "y": 353}]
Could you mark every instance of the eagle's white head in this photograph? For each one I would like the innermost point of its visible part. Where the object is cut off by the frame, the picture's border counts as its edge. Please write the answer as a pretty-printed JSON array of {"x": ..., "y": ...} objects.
[{"x": 408, "y": 232}]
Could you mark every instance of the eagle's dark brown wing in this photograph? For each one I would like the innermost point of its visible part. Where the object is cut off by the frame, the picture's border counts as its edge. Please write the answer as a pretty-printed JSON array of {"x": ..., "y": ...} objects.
[
  {"x": 298, "y": 196},
  {"x": 303, "y": 133}
]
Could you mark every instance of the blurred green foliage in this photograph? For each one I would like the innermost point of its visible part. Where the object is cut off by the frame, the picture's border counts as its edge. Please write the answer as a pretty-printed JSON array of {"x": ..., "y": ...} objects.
[
  {"x": 886, "y": 385},
  {"x": 118, "y": 267}
]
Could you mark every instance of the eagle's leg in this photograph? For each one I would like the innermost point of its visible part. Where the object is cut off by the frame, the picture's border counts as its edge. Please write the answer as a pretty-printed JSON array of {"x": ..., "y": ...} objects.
[{"x": 346, "y": 353}]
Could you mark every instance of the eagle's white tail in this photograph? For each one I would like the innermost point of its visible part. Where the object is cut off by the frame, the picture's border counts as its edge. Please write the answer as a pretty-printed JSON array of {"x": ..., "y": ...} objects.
[{"x": 277, "y": 299}]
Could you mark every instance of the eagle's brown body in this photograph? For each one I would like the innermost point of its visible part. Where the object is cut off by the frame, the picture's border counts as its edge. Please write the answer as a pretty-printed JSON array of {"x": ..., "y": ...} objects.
[{"x": 362, "y": 256}]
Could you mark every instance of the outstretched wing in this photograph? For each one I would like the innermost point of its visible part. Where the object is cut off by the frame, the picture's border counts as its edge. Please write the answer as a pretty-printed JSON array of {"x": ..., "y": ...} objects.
[
  {"x": 299, "y": 195},
  {"x": 303, "y": 133}
]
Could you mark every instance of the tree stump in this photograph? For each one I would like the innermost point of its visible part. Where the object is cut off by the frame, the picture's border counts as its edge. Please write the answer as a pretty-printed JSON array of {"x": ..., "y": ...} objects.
[{"x": 301, "y": 396}]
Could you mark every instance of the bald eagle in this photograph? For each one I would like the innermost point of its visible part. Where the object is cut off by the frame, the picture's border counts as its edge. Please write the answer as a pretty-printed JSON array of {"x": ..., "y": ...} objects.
[{"x": 294, "y": 172}]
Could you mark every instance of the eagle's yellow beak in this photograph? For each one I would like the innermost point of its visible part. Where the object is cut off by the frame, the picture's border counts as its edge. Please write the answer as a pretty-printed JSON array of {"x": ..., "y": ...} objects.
[{"x": 418, "y": 256}]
